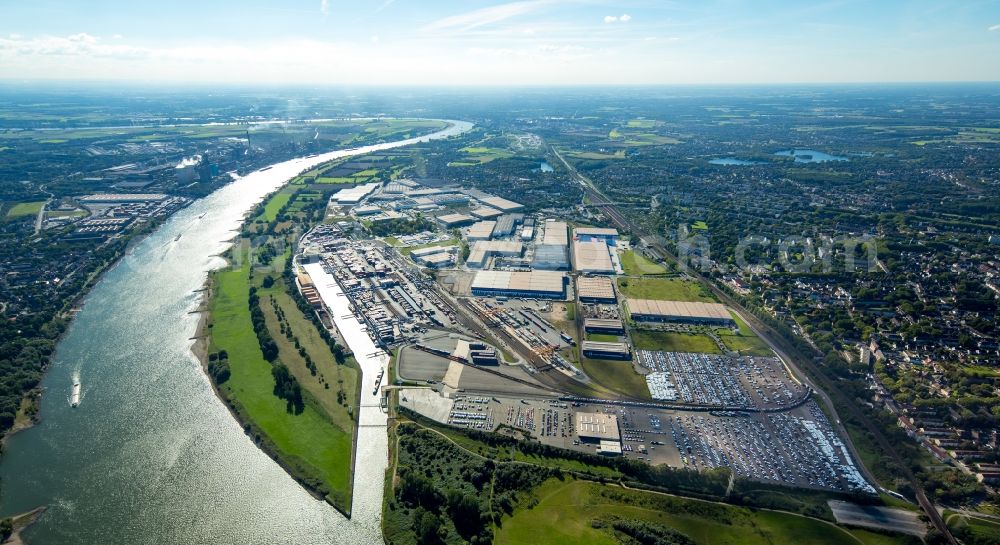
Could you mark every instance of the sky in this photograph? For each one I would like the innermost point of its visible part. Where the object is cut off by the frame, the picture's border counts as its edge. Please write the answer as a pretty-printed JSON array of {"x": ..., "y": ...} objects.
[{"x": 479, "y": 42}]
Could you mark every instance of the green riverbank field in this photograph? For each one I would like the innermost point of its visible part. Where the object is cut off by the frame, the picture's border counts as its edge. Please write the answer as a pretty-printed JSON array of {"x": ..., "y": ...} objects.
[{"x": 314, "y": 448}]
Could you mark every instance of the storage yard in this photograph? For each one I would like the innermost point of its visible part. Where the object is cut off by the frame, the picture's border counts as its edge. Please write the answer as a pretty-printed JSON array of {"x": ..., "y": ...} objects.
[
  {"x": 496, "y": 343},
  {"x": 720, "y": 381}
]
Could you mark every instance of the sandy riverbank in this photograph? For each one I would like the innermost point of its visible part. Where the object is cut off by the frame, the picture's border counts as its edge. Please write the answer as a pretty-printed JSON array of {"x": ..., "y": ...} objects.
[{"x": 21, "y": 522}]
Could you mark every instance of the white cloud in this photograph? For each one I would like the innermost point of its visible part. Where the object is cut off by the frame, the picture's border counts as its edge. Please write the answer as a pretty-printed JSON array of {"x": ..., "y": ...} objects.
[
  {"x": 625, "y": 18},
  {"x": 324, "y": 7},
  {"x": 373, "y": 39},
  {"x": 994, "y": 27},
  {"x": 484, "y": 16},
  {"x": 82, "y": 45},
  {"x": 611, "y": 19}
]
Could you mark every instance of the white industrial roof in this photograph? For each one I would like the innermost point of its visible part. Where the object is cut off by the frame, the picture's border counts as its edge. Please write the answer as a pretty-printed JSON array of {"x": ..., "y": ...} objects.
[
  {"x": 555, "y": 233},
  {"x": 595, "y": 232},
  {"x": 449, "y": 219},
  {"x": 482, "y": 230},
  {"x": 484, "y": 248},
  {"x": 354, "y": 194},
  {"x": 598, "y": 425},
  {"x": 501, "y": 204},
  {"x": 592, "y": 256}
]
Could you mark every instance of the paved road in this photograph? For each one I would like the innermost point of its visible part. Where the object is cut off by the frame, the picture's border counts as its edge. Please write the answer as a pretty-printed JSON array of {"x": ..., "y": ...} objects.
[
  {"x": 777, "y": 343},
  {"x": 882, "y": 518},
  {"x": 41, "y": 217}
]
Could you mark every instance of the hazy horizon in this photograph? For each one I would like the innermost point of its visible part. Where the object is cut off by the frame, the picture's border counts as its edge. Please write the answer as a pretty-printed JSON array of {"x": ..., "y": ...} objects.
[{"x": 520, "y": 43}]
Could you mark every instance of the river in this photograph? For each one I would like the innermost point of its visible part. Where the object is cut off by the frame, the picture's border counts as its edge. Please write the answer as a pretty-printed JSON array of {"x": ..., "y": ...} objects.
[{"x": 151, "y": 455}]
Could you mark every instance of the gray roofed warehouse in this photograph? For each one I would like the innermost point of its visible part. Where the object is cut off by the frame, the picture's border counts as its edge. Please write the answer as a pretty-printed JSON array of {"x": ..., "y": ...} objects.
[
  {"x": 596, "y": 289},
  {"x": 547, "y": 284}
]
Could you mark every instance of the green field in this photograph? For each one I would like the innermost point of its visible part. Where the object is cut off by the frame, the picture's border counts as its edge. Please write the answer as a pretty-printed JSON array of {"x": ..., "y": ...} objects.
[
  {"x": 22, "y": 209},
  {"x": 745, "y": 342},
  {"x": 65, "y": 213},
  {"x": 339, "y": 180},
  {"x": 407, "y": 250},
  {"x": 664, "y": 289},
  {"x": 308, "y": 444},
  {"x": 275, "y": 204},
  {"x": 602, "y": 337},
  {"x": 748, "y": 346},
  {"x": 636, "y": 264},
  {"x": 616, "y": 376},
  {"x": 579, "y": 513},
  {"x": 635, "y": 134},
  {"x": 667, "y": 341},
  {"x": 641, "y": 123},
  {"x": 596, "y": 156},
  {"x": 477, "y": 155},
  {"x": 968, "y": 528},
  {"x": 330, "y": 378}
]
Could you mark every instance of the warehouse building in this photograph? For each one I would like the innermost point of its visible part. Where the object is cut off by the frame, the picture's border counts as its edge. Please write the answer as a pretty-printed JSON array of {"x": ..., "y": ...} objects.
[
  {"x": 353, "y": 195},
  {"x": 596, "y": 289},
  {"x": 599, "y": 325},
  {"x": 455, "y": 220},
  {"x": 606, "y": 351},
  {"x": 550, "y": 258},
  {"x": 486, "y": 213},
  {"x": 556, "y": 233},
  {"x": 434, "y": 257},
  {"x": 607, "y": 235},
  {"x": 501, "y": 204},
  {"x": 597, "y": 427},
  {"x": 646, "y": 310},
  {"x": 117, "y": 198},
  {"x": 545, "y": 284},
  {"x": 308, "y": 290},
  {"x": 609, "y": 448},
  {"x": 366, "y": 210},
  {"x": 482, "y": 251},
  {"x": 592, "y": 256},
  {"x": 506, "y": 224},
  {"x": 482, "y": 230},
  {"x": 438, "y": 260}
]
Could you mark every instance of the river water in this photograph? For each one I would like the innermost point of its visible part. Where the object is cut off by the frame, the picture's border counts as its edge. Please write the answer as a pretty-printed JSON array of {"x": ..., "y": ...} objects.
[{"x": 151, "y": 456}]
